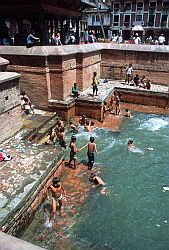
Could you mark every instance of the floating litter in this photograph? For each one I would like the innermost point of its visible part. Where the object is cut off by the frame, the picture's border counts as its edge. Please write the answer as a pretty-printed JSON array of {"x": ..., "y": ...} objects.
[{"x": 151, "y": 149}]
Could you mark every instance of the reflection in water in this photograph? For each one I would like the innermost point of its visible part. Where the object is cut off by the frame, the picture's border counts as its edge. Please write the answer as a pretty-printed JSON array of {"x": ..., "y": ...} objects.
[{"x": 134, "y": 213}]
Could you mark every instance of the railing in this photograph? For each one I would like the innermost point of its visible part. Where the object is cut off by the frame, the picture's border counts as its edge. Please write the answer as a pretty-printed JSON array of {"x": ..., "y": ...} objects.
[
  {"x": 164, "y": 24},
  {"x": 127, "y": 24},
  {"x": 97, "y": 23}
]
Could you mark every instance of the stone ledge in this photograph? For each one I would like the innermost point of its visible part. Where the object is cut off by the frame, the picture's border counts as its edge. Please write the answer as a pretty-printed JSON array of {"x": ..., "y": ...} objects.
[
  {"x": 8, "y": 76},
  {"x": 12, "y": 243},
  {"x": 79, "y": 49}
]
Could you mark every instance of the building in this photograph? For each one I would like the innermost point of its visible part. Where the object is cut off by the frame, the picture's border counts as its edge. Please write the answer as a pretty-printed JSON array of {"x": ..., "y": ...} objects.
[
  {"x": 152, "y": 15},
  {"x": 97, "y": 15},
  {"x": 46, "y": 17}
]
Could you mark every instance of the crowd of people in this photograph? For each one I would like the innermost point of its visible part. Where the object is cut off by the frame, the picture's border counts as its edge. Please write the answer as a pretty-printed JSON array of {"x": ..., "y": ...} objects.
[{"x": 137, "y": 39}]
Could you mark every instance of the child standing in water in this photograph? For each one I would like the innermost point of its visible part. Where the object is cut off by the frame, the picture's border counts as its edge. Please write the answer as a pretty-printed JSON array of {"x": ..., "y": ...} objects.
[
  {"x": 57, "y": 191},
  {"x": 91, "y": 149},
  {"x": 73, "y": 151}
]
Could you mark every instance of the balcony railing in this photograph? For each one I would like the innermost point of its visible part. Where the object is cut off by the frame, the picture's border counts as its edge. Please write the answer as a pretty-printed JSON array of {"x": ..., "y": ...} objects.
[
  {"x": 116, "y": 10},
  {"x": 164, "y": 24},
  {"x": 151, "y": 24},
  {"x": 126, "y": 8},
  {"x": 127, "y": 24},
  {"x": 152, "y": 10},
  {"x": 97, "y": 23}
]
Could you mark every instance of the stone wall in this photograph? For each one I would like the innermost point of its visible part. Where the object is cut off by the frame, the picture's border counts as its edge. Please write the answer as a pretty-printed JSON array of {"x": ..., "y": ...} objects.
[
  {"x": 147, "y": 98},
  {"x": 48, "y": 72},
  {"x": 149, "y": 60},
  {"x": 24, "y": 215},
  {"x": 10, "y": 113}
]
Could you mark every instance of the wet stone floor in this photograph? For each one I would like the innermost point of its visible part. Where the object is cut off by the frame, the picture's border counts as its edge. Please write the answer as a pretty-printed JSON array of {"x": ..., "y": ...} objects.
[{"x": 77, "y": 185}]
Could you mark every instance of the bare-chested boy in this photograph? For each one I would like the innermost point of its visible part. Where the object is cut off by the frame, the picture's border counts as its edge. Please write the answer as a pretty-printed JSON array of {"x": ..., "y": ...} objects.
[
  {"x": 73, "y": 127},
  {"x": 91, "y": 148},
  {"x": 62, "y": 141},
  {"x": 88, "y": 127},
  {"x": 57, "y": 191},
  {"x": 130, "y": 144},
  {"x": 73, "y": 151},
  {"x": 98, "y": 182}
]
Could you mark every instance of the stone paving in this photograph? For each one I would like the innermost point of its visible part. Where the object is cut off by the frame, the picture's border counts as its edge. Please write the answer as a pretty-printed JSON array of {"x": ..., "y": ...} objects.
[
  {"x": 29, "y": 162},
  {"x": 106, "y": 88}
]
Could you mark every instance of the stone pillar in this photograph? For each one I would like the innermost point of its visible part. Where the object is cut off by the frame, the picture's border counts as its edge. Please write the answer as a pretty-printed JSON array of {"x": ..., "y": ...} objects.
[
  {"x": 77, "y": 32},
  {"x": 43, "y": 30}
]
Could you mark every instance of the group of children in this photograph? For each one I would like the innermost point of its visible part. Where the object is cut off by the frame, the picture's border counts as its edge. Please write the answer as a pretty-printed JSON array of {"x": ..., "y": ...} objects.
[{"x": 56, "y": 189}]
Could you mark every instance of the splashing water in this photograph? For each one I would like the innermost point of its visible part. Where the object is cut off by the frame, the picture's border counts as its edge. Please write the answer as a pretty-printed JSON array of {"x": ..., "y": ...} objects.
[{"x": 154, "y": 124}]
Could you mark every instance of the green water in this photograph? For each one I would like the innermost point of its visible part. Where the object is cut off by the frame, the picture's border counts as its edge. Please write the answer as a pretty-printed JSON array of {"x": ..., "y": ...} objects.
[{"x": 134, "y": 214}]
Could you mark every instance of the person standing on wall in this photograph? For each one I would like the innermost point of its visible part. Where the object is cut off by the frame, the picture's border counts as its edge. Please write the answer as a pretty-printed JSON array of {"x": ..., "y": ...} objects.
[
  {"x": 85, "y": 36},
  {"x": 129, "y": 73},
  {"x": 137, "y": 39},
  {"x": 161, "y": 39},
  {"x": 95, "y": 84}
]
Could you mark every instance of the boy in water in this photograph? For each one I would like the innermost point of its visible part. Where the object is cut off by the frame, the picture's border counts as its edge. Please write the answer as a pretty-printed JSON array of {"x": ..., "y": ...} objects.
[
  {"x": 130, "y": 144},
  {"x": 127, "y": 113},
  {"x": 57, "y": 190},
  {"x": 92, "y": 125},
  {"x": 87, "y": 126},
  {"x": 73, "y": 127},
  {"x": 91, "y": 148},
  {"x": 117, "y": 103},
  {"x": 62, "y": 141},
  {"x": 82, "y": 121},
  {"x": 50, "y": 137},
  {"x": 98, "y": 182},
  {"x": 73, "y": 151}
]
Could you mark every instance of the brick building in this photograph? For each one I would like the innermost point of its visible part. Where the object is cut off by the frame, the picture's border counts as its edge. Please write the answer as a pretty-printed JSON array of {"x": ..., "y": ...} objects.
[{"x": 152, "y": 15}]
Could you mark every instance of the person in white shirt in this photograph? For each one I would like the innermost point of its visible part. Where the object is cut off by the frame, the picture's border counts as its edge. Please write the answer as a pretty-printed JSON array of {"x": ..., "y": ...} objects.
[
  {"x": 129, "y": 71},
  {"x": 137, "y": 39},
  {"x": 161, "y": 39},
  {"x": 119, "y": 39}
]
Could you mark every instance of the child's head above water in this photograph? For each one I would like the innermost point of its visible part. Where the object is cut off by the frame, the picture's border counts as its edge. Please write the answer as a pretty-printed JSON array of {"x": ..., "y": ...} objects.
[
  {"x": 91, "y": 139},
  {"x": 130, "y": 141}
]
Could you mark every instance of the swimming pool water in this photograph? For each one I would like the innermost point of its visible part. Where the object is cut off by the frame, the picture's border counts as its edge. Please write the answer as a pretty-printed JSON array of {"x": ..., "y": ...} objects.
[{"x": 134, "y": 213}]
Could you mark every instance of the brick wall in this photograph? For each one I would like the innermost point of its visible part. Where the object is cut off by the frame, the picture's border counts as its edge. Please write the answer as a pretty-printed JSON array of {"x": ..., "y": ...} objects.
[
  {"x": 10, "y": 113},
  {"x": 10, "y": 123},
  {"x": 152, "y": 64},
  {"x": 49, "y": 72}
]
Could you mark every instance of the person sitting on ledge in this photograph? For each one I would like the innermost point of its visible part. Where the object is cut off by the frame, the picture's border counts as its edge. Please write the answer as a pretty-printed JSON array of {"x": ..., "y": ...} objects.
[
  {"x": 31, "y": 39},
  {"x": 137, "y": 80},
  {"x": 75, "y": 91},
  {"x": 148, "y": 84}
]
